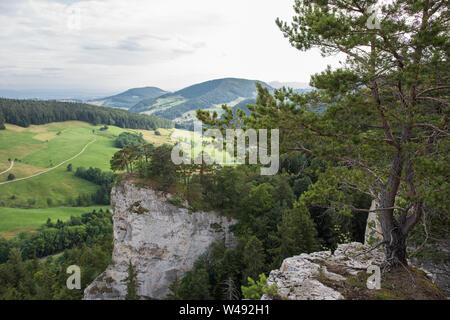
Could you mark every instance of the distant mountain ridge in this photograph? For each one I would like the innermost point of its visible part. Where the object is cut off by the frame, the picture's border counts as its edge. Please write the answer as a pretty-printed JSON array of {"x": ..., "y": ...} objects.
[
  {"x": 129, "y": 98},
  {"x": 181, "y": 105}
]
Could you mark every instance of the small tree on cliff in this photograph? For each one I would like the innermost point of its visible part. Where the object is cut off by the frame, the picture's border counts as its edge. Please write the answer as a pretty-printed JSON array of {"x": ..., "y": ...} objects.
[
  {"x": 131, "y": 281},
  {"x": 124, "y": 158},
  {"x": 381, "y": 120}
]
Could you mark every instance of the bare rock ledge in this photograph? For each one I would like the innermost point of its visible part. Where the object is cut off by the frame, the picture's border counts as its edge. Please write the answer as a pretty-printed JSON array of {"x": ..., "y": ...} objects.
[{"x": 297, "y": 277}]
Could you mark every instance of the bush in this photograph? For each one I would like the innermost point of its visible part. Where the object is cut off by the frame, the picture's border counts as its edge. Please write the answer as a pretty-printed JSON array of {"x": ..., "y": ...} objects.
[
  {"x": 177, "y": 201},
  {"x": 129, "y": 139},
  {"x": 11, "y": 177},
  {"x": 256, "y": 289}
]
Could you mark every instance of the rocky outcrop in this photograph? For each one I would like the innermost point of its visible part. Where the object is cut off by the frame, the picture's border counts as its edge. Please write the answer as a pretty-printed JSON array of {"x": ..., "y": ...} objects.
[
  {"x": 298, "y": 278},
  {"x": 161, "y": 240},
  {"x": 374, "y": 233},
  {"x": 438, "y": 270}
]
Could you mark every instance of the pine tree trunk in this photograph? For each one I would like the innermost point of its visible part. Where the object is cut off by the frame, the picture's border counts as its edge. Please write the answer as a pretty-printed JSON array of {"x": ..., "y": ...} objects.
[{"x": 396, "y": 249}]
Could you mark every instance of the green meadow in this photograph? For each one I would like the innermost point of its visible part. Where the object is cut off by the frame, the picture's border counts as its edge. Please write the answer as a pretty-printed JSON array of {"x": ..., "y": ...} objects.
[
  {"x": 15, "y": 220},
  {"x": 39, "y": 148},
  {"x": 26, "y": 204}
]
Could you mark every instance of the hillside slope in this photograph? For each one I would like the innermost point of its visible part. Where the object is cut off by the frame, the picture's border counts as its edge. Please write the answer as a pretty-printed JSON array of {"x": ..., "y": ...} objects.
[
  {"x": 129, "y": 98},
  {"x": 181, "y": 105}
]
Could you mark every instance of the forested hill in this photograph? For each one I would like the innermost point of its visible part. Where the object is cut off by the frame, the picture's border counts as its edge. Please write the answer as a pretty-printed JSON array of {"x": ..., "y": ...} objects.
[
  {"x": 129, "y": 98},
  {"x": 199, "y": 96},
  {"x": 26, "y": 112}
]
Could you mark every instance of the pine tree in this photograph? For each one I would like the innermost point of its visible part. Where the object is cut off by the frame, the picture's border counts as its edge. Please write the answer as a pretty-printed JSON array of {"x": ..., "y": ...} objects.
[
  {"x": 254, "y": 258},
  {"x": 230, "y": 291},
  {"x": 174, "y": 288},
  {"x": 297, "y": 234},
  {"x": 380, "y": 121},
  {"x": 131, "y": 281}
]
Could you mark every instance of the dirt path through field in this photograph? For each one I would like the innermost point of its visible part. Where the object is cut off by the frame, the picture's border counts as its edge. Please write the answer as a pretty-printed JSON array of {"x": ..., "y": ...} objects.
[
  {"x": 38, "y": 174},
  {"x": 10, "y": 167}
]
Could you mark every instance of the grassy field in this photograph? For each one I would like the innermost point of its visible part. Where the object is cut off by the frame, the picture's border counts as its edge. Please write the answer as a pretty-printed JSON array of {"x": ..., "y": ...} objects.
[
  {"x": 39, "y": 148},
  {"x": 13, "y": 220},
  {"x": 27, "y": 204}
]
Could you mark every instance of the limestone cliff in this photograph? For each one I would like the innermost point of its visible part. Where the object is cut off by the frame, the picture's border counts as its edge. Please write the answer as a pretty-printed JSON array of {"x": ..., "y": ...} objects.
[{"x": 161, "y": 240}]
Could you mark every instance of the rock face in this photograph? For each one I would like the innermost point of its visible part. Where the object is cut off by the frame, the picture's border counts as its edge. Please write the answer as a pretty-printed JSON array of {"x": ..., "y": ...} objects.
[
  {"x": 161, "y": 240},
  {"x": 374, "y": 233},
  {"x": 437, "y": 271},
  {"x": 297, "y": 277}
]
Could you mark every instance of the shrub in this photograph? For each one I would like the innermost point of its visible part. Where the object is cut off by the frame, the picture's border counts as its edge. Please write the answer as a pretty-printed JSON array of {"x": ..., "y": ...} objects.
[
  {"x": 255, "y": 290},
  {"x": 177, "y": 201}
]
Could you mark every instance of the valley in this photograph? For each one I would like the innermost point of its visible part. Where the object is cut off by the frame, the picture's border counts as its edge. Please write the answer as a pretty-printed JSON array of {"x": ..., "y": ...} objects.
[{"x": 38, "y": 157}]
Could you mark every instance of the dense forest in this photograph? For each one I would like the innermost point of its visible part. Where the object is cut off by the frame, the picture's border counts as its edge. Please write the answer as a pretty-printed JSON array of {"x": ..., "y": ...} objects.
[
  {"x": 272, "y": 225},
  {"x": 85, "y": 241},
  {"x": 104, "y": 179},
  {"x": 26, "y": 112}
]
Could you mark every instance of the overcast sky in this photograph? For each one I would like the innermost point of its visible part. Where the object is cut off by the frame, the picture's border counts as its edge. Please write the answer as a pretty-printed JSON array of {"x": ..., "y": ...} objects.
[{"x": 113, "y": 45}]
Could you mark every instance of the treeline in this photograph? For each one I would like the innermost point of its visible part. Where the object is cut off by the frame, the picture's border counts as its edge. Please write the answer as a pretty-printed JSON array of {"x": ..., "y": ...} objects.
[
  {"x": 54, "y": 237},
  {"x": 2, "y": 121},
  {"x": 45, "y": 279},
  {"x": 26, "y": 112},
  {"x": 101, "y": 178}
]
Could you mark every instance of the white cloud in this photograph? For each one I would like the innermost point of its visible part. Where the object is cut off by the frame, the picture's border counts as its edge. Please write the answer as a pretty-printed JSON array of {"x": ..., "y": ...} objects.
[{"x": 116, "y": 44}]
